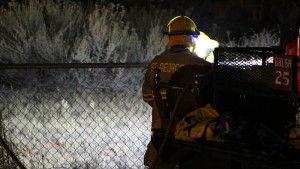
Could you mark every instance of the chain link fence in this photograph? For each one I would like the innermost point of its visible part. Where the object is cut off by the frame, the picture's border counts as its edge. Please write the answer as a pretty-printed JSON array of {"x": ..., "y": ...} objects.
[{"x": 89, "y": 118}]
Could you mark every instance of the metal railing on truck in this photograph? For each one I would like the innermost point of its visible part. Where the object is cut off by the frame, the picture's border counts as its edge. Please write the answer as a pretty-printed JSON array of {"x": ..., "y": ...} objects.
[{"x": 245, "y": 66}]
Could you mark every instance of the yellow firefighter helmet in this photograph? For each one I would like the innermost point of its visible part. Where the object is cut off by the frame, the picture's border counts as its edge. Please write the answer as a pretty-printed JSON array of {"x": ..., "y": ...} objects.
[{"x": 181, "y": 25}]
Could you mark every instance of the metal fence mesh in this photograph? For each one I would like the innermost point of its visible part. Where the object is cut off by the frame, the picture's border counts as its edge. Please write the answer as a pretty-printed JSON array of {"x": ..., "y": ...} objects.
[{"x": 74, "y": 118}]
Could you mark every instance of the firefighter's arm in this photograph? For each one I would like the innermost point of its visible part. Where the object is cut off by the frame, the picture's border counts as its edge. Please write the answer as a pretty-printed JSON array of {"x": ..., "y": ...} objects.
[
  {"x": 147, "y": 94},
  {"x": 147, "y": 89}
]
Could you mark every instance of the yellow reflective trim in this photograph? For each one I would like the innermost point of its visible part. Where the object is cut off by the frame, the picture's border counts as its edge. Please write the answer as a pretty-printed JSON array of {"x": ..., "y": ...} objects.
[
  {"x": 148, "y": 99},
  {"x": 147, "y": 94}
]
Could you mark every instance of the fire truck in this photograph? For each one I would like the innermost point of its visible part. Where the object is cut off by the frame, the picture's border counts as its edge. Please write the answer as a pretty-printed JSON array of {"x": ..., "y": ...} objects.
[{"x": 259, "y": 86}]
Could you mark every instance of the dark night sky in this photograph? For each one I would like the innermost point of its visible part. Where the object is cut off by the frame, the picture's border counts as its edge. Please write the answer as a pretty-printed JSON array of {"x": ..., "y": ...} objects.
[
  {"x": 245, "y": 12},
  {"x": 234, "y": 15},
  {"x": 237, "y": 16},
  {"x": 248, "y": 12}
]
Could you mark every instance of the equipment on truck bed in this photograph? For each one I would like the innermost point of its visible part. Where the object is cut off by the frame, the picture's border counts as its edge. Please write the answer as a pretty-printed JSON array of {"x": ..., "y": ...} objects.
[
  {"x": 255, "y": 91},
  {"x": 262, "y": 104}
]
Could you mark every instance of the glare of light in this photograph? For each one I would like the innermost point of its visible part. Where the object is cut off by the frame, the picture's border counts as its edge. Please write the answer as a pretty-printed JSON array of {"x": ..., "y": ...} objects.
[{"x": 204, "y": 47}]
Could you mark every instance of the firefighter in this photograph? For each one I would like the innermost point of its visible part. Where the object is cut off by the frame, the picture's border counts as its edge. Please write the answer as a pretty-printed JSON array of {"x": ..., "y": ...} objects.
[{"x": 181, "y": 31}]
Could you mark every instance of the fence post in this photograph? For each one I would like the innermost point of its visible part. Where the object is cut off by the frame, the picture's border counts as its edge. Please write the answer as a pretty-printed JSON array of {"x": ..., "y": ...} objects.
[
  {"x": 6, "y": 147},
  {"x": 11, "y": 153},
  {"x": 2, "y": 156}
]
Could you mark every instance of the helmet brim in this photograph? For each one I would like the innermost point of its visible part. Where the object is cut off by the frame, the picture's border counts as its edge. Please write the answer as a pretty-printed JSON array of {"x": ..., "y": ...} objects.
[{"x": 182, "y": 33}]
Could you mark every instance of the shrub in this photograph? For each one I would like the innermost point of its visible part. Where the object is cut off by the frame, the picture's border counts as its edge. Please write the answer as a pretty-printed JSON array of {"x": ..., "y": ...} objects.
[
  {"x": 40, "y": 31},
  {"x": 62, "y": 31},
  {"x": 264, "y": 38}
]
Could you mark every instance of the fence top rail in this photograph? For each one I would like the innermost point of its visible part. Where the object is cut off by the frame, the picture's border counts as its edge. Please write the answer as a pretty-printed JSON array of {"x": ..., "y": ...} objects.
[{"x": 73, "y": 65}]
